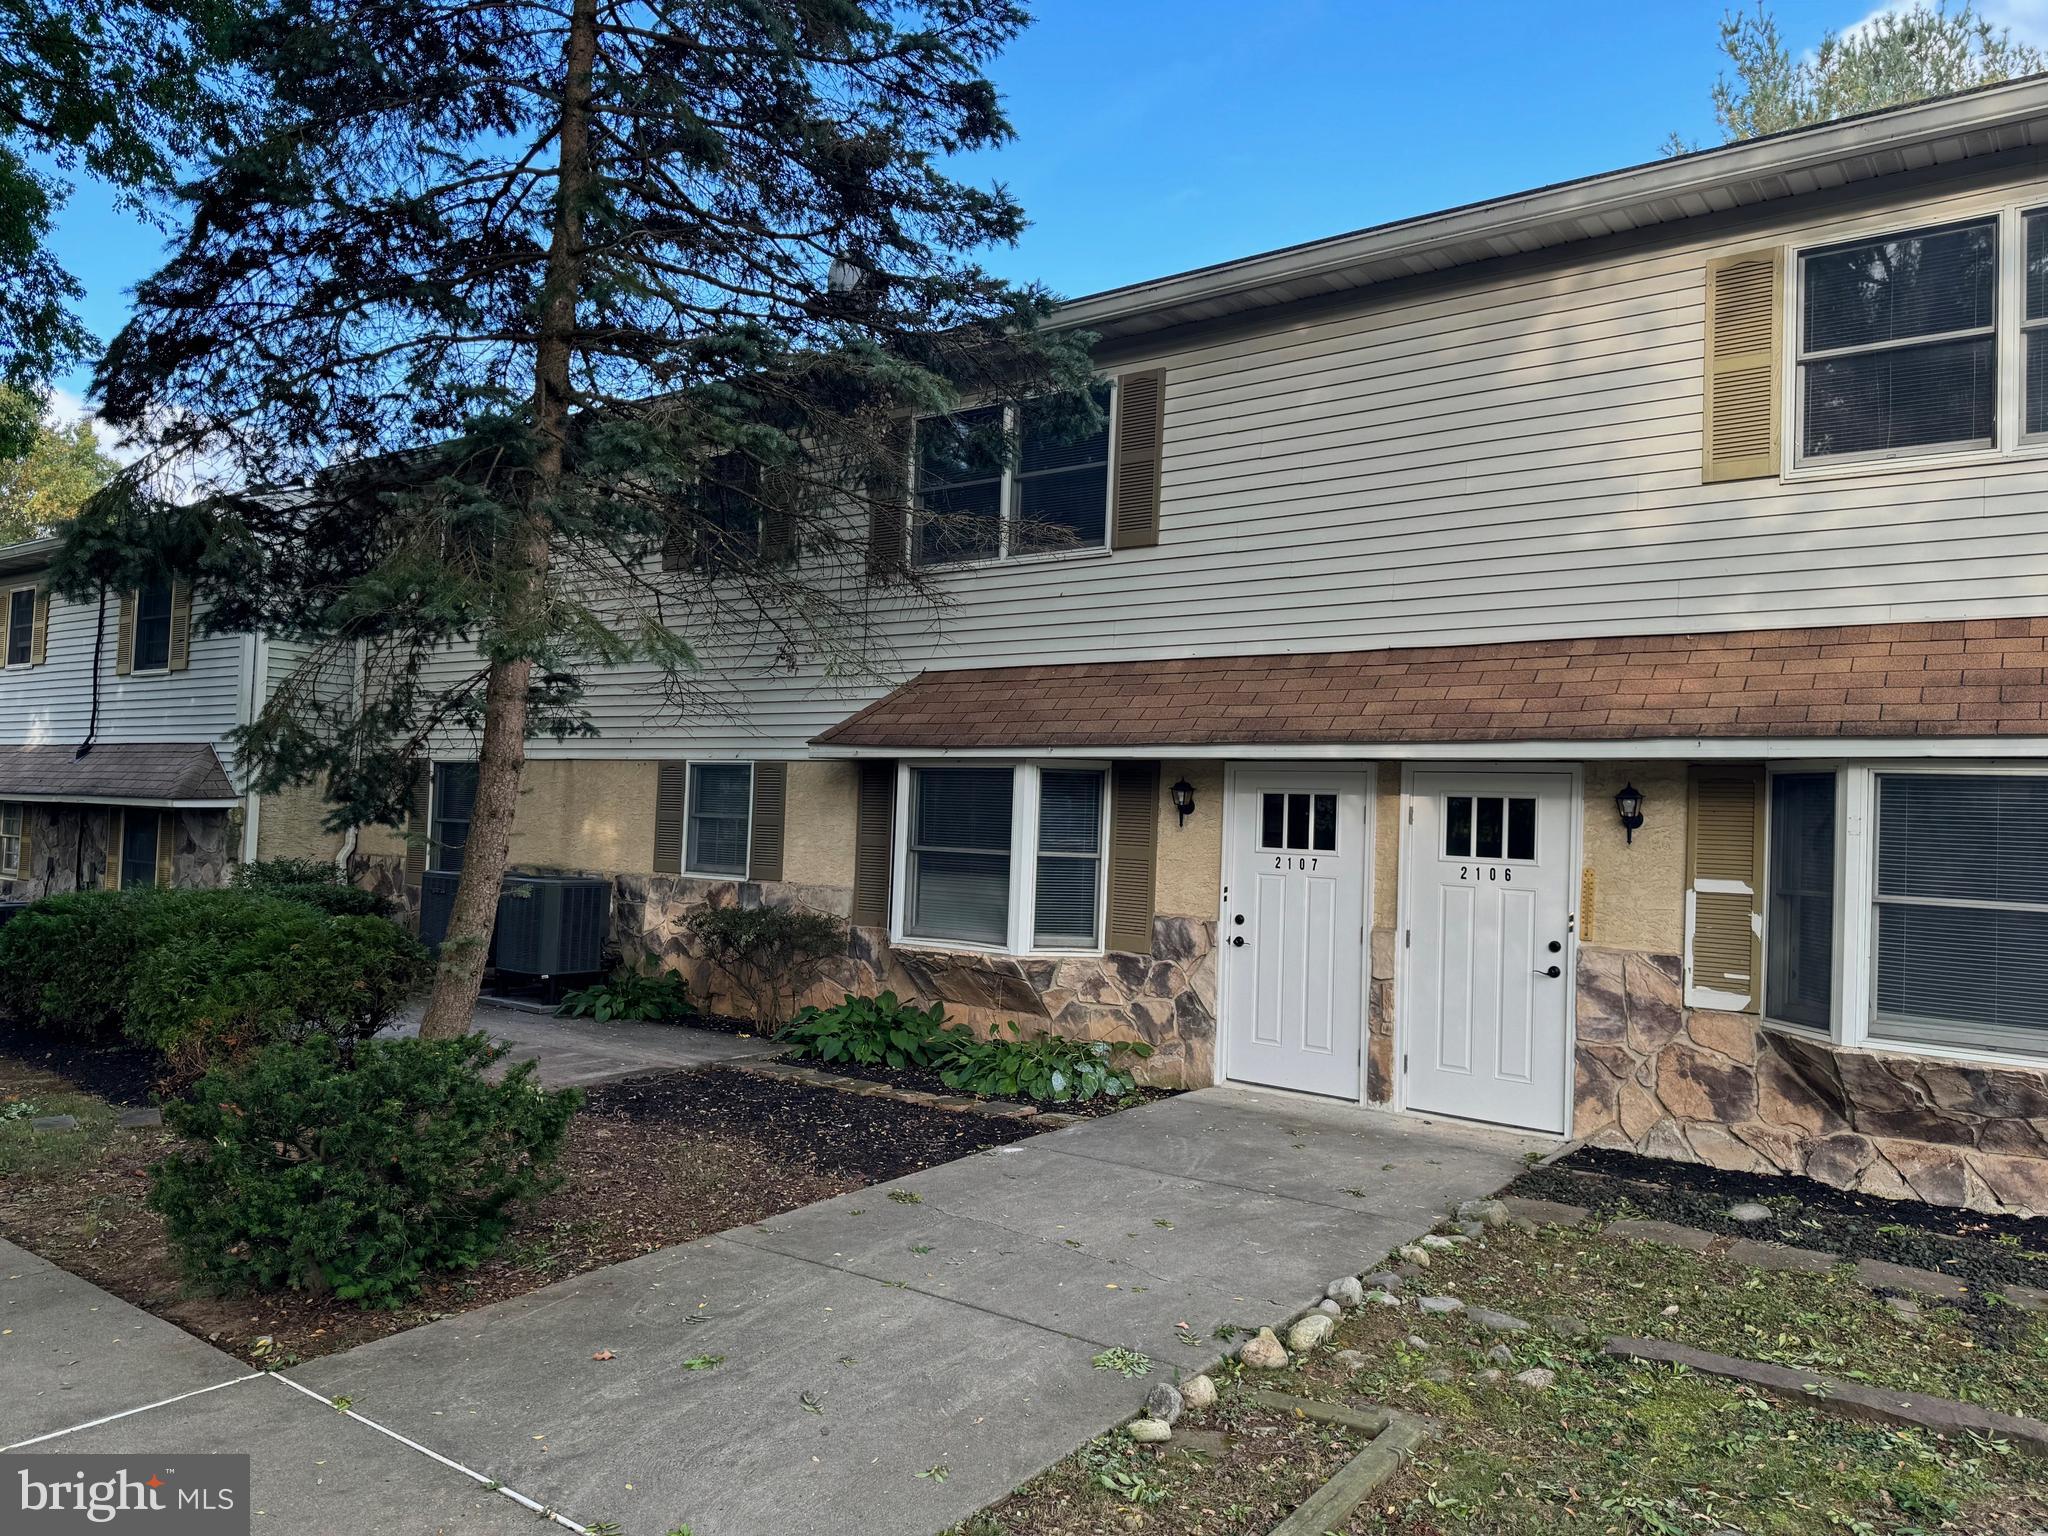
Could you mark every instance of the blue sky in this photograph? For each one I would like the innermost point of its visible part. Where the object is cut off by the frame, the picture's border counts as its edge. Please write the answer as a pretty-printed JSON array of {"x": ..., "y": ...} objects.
[{"x": 1159, "y": 135}]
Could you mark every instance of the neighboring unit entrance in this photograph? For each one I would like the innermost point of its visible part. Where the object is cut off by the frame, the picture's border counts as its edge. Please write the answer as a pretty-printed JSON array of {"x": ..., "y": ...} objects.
[
  {"x": 1487, "y": 934},
  {"x": 1293, "y": 930}
]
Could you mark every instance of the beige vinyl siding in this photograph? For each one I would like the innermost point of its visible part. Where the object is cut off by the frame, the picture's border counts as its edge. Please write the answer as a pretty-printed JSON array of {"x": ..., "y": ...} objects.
[{"x": 1506, "y": 454}]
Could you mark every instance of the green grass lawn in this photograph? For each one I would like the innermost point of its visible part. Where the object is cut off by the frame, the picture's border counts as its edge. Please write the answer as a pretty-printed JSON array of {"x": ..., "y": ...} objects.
[{"x": 1614, "y": 1448}]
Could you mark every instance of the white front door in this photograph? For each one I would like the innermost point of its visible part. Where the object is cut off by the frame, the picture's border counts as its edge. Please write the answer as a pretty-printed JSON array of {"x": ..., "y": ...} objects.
[
  {"x": 1486, "y": 920},
  {"x": 1294, "y": 930}
]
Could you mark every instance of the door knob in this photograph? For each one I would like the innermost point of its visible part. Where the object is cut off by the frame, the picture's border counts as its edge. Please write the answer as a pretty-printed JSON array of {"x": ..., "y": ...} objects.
[
  {"x": 1237, "y": 940},
  {"x": 1549, "y": 970},
  {"x": 1555, "y": 946}
]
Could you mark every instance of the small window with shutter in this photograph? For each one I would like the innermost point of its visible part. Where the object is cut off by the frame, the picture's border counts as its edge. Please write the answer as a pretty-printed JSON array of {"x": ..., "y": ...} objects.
[{"x": 21, "y": 627}]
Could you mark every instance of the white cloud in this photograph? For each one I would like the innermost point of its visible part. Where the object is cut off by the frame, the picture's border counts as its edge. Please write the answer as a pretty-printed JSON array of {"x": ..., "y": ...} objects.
[
  {"x": 66, "y": 408},
  {"x": 2027, "y": 20}
]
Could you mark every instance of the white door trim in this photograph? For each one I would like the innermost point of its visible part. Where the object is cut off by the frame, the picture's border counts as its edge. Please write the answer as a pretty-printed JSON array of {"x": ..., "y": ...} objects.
[
  {"x": 1404, "y": 899},
  {"x": 1231, "y": 871}
]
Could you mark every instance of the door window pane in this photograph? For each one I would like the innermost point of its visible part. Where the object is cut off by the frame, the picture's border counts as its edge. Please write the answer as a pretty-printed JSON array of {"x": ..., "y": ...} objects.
[
  {"x": 1323, "y": 828},
  {"x": 138, "y": 850},
  {"x": 1458, "y": 826},
  {"x": 21, "y": 625},
  {"x": 959, "y": 885},
  {"x": 721, "y": 800},
  {"x": 1521, "y": 828},
  {"x": 1488, "y": 834},
  {"x": 1069, "y": 866},
  {"x": 454, "y": 804},
  {"x": 1297, "y": 821},
  {"x": 1895, "y": 345},
  {"x": 1272, "y": 820},
  {"x": 1799, "y": 936},
  {"x": 1962, "y": 910},
  {"x": 152, "y": 628}
]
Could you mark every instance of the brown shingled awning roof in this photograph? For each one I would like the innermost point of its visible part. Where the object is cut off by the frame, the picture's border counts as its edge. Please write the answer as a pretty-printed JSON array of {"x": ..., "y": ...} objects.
[
  {"x": 130, "y": 773},
  {"x": 1974, "y": 678}
]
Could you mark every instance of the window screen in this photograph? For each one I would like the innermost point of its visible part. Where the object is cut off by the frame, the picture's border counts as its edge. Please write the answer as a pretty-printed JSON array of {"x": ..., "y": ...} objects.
[
  {"x": 454, "y": 804},
  {"x": 1961, "y": 925},
  {"x": 138, "y": 850},
  {"x": 1799, "y": 936},
  {"x": 152, "y": 628},
  {"x": 1896, "y": 346},
  {"x": 959, "y": 866},
  {"x": 960, "y": 473},
  {"x": 21, "y": 626},
  {"x": 721, "y": 798},
  {"x": 1069, "y": 859},
  {"x": 1062, "y": 473}
]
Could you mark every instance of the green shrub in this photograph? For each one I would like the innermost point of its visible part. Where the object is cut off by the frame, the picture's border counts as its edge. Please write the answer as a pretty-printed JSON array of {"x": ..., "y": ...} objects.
[
  {"x": 359, "y": 1179},
  {"x": 65, "y": 962},
  {"x": 225, "y": 971},
  {"x": 771, "y": 955},
  {"x": 647, "y": 996},
  {"x": 1046, "y": 1067},
  {"x": 876, "y": 1032},
  {"x": 314, "y": 881}
]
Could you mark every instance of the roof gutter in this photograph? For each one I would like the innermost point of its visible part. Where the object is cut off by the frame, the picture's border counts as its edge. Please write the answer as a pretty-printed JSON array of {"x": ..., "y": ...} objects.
[{"x": 1747, "y": 749}]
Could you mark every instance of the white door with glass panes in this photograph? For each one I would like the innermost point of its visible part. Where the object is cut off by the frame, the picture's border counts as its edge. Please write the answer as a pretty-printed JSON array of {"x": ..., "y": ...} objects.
[
  {"x": 1294, "y": 931},
  {"x": 1486, "y": 946}
]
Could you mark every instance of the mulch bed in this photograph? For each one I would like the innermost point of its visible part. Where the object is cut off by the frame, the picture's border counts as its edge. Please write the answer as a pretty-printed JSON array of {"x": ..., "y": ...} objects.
[
  {"x": 931, "y": 1082},
  {"x": 839, "y": 1133},
  {"x": 120, "y": 1074},
  {"x": 1983, "y": 1251}
]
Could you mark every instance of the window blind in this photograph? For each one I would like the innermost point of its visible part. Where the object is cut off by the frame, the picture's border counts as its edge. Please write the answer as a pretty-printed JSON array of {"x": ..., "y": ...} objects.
[
  {"x": 720, "y": 794},
  {"x": 1069, "y": 859},
  {"x": 959, "y": 863}
]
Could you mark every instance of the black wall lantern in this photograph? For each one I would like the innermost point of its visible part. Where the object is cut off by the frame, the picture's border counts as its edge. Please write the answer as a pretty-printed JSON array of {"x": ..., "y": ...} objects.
[
  {"x": 1183, "y": 799},
  {"x": 1629, "y": 801}
]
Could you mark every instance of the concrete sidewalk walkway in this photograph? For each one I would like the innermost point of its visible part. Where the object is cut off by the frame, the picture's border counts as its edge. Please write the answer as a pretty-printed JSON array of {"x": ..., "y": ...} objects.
[
  {"x": 947, "y": 1319},
  {"x": 579, "y": 1052}
]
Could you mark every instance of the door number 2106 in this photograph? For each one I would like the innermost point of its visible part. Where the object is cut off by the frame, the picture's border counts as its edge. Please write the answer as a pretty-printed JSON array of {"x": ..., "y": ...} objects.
[{"x": 1485, "y": 871}]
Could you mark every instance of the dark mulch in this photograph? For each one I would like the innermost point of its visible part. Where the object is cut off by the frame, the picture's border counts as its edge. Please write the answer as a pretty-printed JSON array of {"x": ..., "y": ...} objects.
[
  {"x": 121, "y": 1074},
  {"x": 931, "y": 1082},
  {"x": 845, "y": 1134},
  {"x": 726, "y": 1024},
  {"x": 1982, "y": 1251}
]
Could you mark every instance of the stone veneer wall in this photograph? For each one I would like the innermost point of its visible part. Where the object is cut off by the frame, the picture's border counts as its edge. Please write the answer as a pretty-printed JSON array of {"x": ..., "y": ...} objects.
[
  {"x": 1719, "y": 1088},
  {"x": 71, "y": 848}
]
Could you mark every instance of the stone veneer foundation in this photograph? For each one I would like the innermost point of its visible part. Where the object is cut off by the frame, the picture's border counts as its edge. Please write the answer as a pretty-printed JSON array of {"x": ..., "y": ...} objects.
[
  {"x": 72, "y": 848},
  {"x": 1719, "y": 1088}
]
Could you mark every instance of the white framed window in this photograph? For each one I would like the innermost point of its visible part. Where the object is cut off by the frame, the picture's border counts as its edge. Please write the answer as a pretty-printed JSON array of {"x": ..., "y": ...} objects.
[
  {"x": 1008, "y": 857},
  {"x": 11, "y": 814},
  {"x": 20, "y": 619},
  {"x": 718, "y": 821},
  {"x": 1021, "y": 480},
  {"x": 151, "y": 645}
]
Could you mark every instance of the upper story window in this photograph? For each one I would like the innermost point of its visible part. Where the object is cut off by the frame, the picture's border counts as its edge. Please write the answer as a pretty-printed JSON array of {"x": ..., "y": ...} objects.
[
  {"x": 152, "y": 642},
  {"x": 21, "y": 626},
  {"x": 1008, "y": 481},
  {"x": 454, "y": 806}
]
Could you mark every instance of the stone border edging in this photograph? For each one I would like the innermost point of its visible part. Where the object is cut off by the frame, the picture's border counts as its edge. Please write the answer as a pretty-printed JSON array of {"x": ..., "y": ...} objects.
[
  {"x": 952, "y": 1103},
  {"x": 1849, "y": 1400},
  {"x": 1395, "y": 1438}
]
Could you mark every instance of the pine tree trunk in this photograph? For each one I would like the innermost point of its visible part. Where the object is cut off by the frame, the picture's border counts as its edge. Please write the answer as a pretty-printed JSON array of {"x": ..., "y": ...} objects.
[{"x": 525, "y": 563}]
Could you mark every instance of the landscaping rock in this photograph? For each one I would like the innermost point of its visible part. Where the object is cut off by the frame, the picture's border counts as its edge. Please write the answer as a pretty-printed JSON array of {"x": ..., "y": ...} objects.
[
  {"x": 1312, "y": 1330},
  {"x": 1537, "y": 1379},
  {"x": 1163, "y": 1402},
  {"x": 1492, "y": 1377},
  {"x": 1437, "y": 1242},
  {"x": 140, "y": 1119},
  {"x": 1779, "y": 1257},
  {"x": 1263, "y": 1352},
  {"x": 1198, "y": 1393},
  {"x": 1381, "y": 1280},
  {"x": 1689, "y": 1238},
  {"x": 1382, "y": 1298},
  {"x": 1441, "y": 1374},
  {"x": 1347, "y": 1292},
  {"x": 1566, "y": 1326},
  {"x": 1925, "y": 1283},
  {"x": 1417, "y": 1342},
  {"x": 1472, "y": 1229},
  {"x": 1329, "y": 1308},
  {"x": 1441, "y": 1306},
  {"x": 1150, "y": 1431},
  {"x": 1419, "y": 1257},
  {"x": 1554, "y": 1213},
  {"x": 1497, "y": 1322},
  {"x": 54, "y": 1123},
  {"x": 1904, "y": 1307},
  {"x": 1749, "y": 1212},
  {"x": 1492, "y": 1213},
  {"x": 1500, "y": 1354}
]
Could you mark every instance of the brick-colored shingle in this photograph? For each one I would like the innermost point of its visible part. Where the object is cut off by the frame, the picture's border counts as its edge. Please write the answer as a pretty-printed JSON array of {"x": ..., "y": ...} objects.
[{"x": 1979, "y": 677}]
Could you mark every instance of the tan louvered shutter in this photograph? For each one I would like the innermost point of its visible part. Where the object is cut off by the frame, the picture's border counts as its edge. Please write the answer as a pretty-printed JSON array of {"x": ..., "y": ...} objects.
[
  {"x": 1724, "y": 879},
  {"x": 771, "y": 812},
  {"x": 39, "y": 627},
  {"x": 1744, "y": 305},
  {"x": 874, "y": 853},
  {"x": 671, "y": 786},
  {"x": 889, "y": 505},
  {"x": 124, "y": 637},
  {"x": 166, "y": 848},
  {"x": 1140, "y": 412},
  {"x": 181, "y": 626},
  {"x": 25, "y": 862},
  {"x": 1133, "y": 854},
  {"x": 417, "y": 831}
]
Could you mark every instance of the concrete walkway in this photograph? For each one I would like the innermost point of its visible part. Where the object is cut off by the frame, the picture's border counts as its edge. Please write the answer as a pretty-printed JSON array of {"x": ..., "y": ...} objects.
[
  {"x": 578, "y": 1052},
  {"x": 947, "y": 1319}
]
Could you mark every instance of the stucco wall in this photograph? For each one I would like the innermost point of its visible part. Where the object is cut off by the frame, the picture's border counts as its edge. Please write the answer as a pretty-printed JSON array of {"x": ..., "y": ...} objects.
[
  {"x": 288, "y": 825},
  {"x": 1189, "y": 877},
  {"x": 1638, "y": 886},
  {"x": 585, "y": 814},
  {"x": 817, "y": 844}
]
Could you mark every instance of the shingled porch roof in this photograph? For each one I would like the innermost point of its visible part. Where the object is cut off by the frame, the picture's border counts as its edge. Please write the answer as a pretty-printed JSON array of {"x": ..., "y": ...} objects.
[
  {"x": 1973, "y": 678},
  {"x": 176, "y": 773}
]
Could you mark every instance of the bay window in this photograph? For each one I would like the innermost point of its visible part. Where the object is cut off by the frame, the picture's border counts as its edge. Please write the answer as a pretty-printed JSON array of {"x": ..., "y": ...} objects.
[{"x": 1004, "y": 857}]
